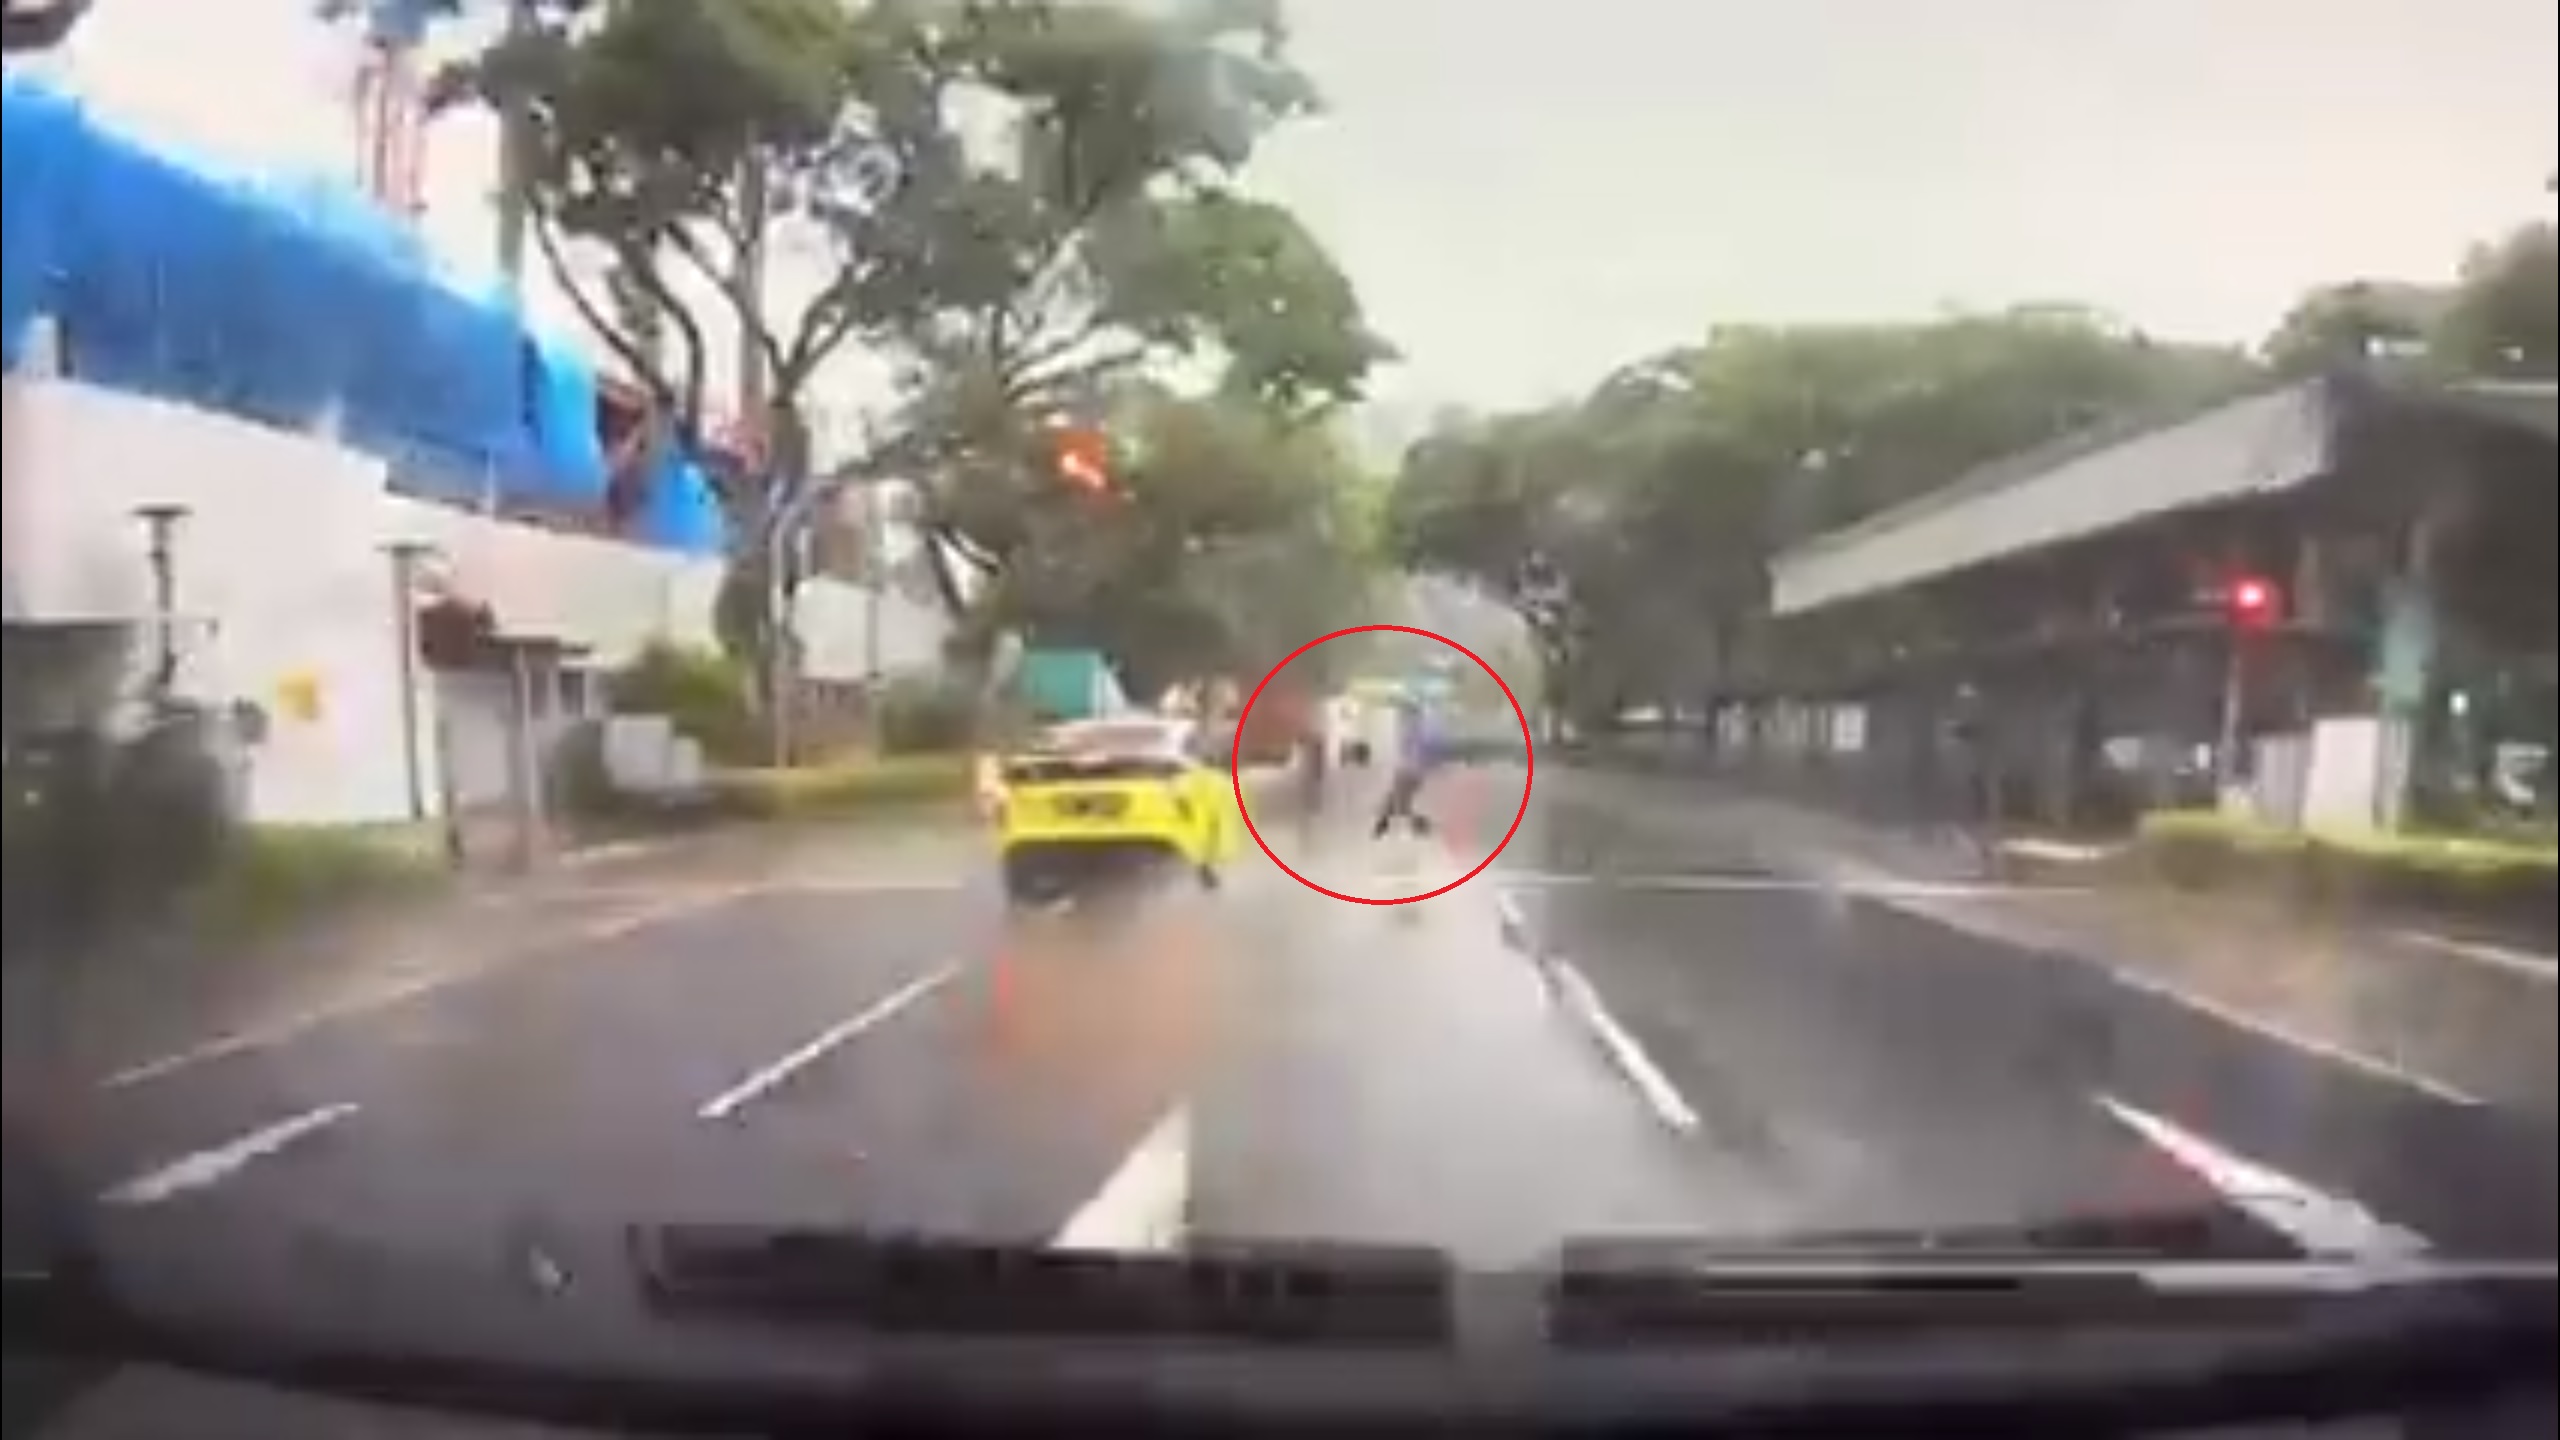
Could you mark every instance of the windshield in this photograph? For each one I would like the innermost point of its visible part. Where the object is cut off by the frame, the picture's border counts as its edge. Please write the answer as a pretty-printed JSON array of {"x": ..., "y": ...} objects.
[
  {"x": 1747, "y": 622},
  {"x": 1113, "y": 737}
]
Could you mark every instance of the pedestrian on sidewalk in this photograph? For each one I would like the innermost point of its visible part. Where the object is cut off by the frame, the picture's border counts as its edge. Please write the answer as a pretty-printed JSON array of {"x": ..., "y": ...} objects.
[
  {"x": 1313, "y": 767},
  {"x": 1312, "y": 776},
  {"x": 1972, "y": 810}
]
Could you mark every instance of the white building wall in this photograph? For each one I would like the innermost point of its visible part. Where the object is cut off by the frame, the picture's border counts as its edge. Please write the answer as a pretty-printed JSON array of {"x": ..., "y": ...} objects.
[{"x": 283, "y": 576}]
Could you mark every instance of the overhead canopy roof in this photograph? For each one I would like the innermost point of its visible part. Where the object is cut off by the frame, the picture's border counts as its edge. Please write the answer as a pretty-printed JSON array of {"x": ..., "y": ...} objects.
[{"x": 2259, "y": 444}]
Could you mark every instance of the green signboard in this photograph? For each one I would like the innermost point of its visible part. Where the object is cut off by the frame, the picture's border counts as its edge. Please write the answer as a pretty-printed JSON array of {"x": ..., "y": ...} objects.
[{"x": 1068, "y": 684}]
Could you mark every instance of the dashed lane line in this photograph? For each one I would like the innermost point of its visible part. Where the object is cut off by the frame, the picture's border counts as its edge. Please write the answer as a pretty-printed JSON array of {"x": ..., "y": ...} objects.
[
  {"x": 211, "y": 1167},
  {"x": 1582, "y": 1001},
  {"x": 1144, "y": 1206},
  {"x": 2326, "y": 1226},
  {"x": 737, "y": 1097},
  {"x": 294, "y": 1024}
]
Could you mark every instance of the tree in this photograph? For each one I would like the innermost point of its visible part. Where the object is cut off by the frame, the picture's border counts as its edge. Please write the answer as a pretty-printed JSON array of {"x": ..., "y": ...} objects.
[
  {"x": 2357, "y": 320},
  {"x": 1022, "y": 202},
  {"x": 2503, "y": 320},
  {"x": 32, "y": 25},
  {"x": 1632, "y": 529},
  {"x": 1232, "y": 537},
  {"x": 1104, "y": 237}
]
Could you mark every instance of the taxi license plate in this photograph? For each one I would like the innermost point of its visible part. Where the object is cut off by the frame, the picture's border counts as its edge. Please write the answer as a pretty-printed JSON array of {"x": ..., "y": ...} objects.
[{"x": 1090, "y": 807}]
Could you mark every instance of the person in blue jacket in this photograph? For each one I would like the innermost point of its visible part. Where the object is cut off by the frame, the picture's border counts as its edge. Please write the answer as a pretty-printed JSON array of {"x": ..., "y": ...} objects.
[{"x": 1418, "y": 752}]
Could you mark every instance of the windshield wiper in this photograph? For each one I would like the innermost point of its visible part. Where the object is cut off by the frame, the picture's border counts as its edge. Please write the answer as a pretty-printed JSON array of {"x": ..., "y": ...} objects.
[
  {"x": 2170, "y": 1269},
  {"x": 1329, "y": 1294}
]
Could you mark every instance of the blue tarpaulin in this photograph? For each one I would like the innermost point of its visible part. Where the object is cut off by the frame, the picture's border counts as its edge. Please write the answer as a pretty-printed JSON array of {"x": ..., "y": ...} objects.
[
  {"x": 34, "y": 145},
  {"x": 284, "y": 304}
]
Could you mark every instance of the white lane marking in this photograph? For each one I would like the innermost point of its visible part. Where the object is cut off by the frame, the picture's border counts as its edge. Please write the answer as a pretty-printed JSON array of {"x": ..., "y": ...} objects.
[
  {"x": 2059, "y": 851},
  {"x": 2130, "y": 979},
  {"x": 280, "y": 1030},
  {"x": 2355, "y": 1060},
  {"x": 737, "y": 1096},
  {"x": 295, "y": 1023},
  {"x": 211, "y": 1167},
  {"x": 1879, "y": 885},
  {"x": 1514, "y": 922},
  {"x": 872, "y": 885},
  {"x": 1144, "y": 1205},
  {"x": 1660, "y": 1095},
  {"x": 2326, "y": 1226},
  {"x": 2542, "y": 968}
]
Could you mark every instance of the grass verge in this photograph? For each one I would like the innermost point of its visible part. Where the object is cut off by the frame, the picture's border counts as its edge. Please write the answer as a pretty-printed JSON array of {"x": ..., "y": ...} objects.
[{"x": 2510, "y": 884}]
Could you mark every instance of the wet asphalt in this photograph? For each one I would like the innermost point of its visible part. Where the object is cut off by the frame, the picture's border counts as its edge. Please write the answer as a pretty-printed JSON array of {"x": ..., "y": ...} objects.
[{"x": 1605, "y": 1033}]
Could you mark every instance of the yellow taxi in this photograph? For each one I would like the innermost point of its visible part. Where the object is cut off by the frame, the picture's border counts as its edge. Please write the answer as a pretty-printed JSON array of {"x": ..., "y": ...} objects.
[{"x": 1090, "y": 797}]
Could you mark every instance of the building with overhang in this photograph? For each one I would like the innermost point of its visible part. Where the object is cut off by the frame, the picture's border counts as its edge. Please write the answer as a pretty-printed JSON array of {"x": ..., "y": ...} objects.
[
  {"x": 2330, "y": 600},
  {"x": 253, "y": 426}
]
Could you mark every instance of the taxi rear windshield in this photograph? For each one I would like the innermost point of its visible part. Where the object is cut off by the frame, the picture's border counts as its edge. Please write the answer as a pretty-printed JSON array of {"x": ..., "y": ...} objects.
[{"x": 1067, "y": 769}]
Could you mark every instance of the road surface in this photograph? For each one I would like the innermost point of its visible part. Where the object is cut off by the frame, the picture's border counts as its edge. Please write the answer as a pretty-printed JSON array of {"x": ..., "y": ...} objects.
[{"x": 1608, "y": 1033}]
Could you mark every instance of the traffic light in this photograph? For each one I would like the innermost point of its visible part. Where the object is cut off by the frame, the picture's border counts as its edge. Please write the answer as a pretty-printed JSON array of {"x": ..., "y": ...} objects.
[
  {"x": 2254, "y": 602},
  {"x": 1083, "y": 458}
]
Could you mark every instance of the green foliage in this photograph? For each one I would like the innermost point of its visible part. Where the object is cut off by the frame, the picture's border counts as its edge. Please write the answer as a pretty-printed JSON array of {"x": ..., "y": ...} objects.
[
  {"x": 2361, "y": 319},
  {"x": 926, "y": 715},
  {"x": 276, "y": 876},
  {"x": 2500, "y": 319},
  {"x": 1236, "y": 537},
  {"x": 2504, "y": 319},
  {"x": 889, "y": 788},
  {"x": 1632, "y": 529},
  {"x": 1082, "y": 227},
  {"x": 706, "y": 695},
  {"x": 37, "y": 25},
  {"x": 2485, "y": 879}
]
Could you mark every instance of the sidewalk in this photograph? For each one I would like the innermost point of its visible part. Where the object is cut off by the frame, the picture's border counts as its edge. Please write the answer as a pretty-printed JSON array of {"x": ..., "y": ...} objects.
[{"x": 2454, "y": 1027}]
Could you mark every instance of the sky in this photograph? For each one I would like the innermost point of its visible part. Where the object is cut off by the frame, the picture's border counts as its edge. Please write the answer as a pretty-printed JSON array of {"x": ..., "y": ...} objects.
[{"x": 1530, "y": 194}]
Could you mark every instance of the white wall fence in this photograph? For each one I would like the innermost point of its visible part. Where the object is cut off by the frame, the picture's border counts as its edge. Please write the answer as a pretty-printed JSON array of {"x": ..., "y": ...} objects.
[{"x": 283, "y": 581}]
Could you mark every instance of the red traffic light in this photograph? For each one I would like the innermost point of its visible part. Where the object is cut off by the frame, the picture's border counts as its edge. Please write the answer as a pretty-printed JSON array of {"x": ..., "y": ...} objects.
[
  {"x": 2253, "y": 600},
  {"x": 1083, "y": 458}
]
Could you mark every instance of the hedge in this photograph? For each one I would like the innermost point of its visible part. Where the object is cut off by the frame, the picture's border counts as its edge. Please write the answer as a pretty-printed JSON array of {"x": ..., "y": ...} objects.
[
  {"x": 272, "y": 876},
  {"x": 707, "y": 696},
  {"x": 2507, "y": 882},
  {"x": 888, "y": 786}
]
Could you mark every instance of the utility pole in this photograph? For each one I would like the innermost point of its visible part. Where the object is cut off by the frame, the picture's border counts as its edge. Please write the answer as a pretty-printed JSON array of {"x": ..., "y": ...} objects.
[
  {"x": 875, "y": 578},
  {"x": 2250, "y": 605},
  {"x": 405, "y": 555},
  {"x": 160, "y": 528},
  {"x": 515, "y": 157}
]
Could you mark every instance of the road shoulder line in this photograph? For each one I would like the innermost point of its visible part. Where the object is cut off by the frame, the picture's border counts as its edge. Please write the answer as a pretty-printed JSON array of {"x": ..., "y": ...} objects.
[
  {"x": 2540, "y": 969},
  {"x": 399, "y": 989}
]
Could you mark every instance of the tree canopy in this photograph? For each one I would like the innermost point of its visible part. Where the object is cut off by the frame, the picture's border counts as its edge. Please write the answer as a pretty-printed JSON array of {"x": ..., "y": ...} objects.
[
  {"x": 1023, "y": 205},
  {"x": 2504, "y": 318},
  {"x": 1632, "y": 528},
  {"x": 31, "y": 25},
  {"x": 2498, "y": 320},
  {"x": 1231, "y": 538}
]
